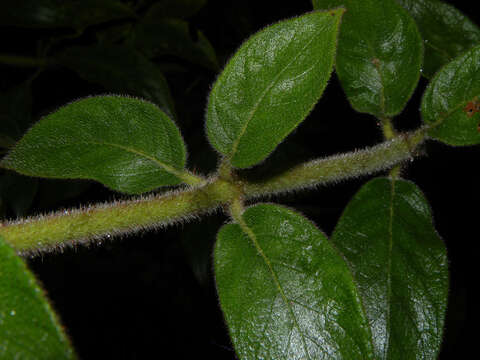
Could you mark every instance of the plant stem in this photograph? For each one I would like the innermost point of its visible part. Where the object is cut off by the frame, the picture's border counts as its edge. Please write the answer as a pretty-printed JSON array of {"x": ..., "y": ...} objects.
[{"x": 48, "y": 232}]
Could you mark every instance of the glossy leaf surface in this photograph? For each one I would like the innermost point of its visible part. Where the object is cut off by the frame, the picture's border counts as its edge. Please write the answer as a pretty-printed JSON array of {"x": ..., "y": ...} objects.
[
  {"x": 286, "y": 292},
  {"x": 400, "y": 266},
  {"x": 29, "y": 329},
  {"x": 61, "y": 13},
  {"x": 270, "y": 85},
  {"x": 446, "y": 32},
  {"x": 379, "y": 55},
  {"x": 127, "y": 144},
  {"x": 173, "y": 37},
  {"x": 451, "y": 102},
  {"x": 121, "y": 70}
]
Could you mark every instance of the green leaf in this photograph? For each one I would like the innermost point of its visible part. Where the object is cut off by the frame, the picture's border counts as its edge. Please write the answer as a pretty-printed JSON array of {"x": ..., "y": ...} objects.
[
  {"x": 180, "y": 9},
  {"x": 451, "y": 102},
  {"x": 379, "y": 55},
  {"x": 270, "y": 85},
  {"x": 127, "y": 144},
  {"x": 29, "y": 329},
  {"x": 61, "y": 13},
  {"x": 120, "y": 69},
  {"x": 446, "y": 32},
  {"x": 172, "y": 37},
  {"x": 400, "y": 266},
  {"x": 285, "y": 291}
]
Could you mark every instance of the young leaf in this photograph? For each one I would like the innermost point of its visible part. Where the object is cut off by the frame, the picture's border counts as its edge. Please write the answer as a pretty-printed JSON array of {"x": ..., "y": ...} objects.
[
  {"x": 29, "y": 329},
  {"x": 379, "y": 55},
  {"x": 55, "y": 13},
  {"x": 446, "y": 32},
  {"x": 400, "y": 266},
  {"x": 172, "y": 37},
  {"x": 122, "y": 70},
  {"x": 127, "y": 144},
  {"x": 451, "y": 103},
  {"x": 270, "y": 85},
  {"x": 285, "y": 291}
]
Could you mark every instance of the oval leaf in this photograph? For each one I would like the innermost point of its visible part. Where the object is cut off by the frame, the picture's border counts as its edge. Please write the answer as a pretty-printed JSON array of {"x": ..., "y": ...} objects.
[
  {"x": 446, "y": 32},
  {"x": 127, "y": 144},
  {"x": 379, "y": 55},
  {"x": 451, "y": 103},
  {"x": 285, "y": 291},
  {"x": 270, "y": 85},
  {"x": 29, "y": 329},
  {"x": 121, "y": 70},
  {"x": 55, "y": 13},
  {"x": 400, "y": 266}
]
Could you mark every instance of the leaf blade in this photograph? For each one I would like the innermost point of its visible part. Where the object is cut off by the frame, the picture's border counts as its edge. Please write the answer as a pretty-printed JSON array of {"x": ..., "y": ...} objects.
[
  {"x": 446, "y": 32},
  {"x": 279, "y": 283},
  {"x": 127, "y": 144},
  {"x": 379, "y": 55},
  {"x": 270, "y": 85},
  {"x": 29, "y": 327},
  {"x": 450, "y": 104},
  {"x": 399, "y": 262}
]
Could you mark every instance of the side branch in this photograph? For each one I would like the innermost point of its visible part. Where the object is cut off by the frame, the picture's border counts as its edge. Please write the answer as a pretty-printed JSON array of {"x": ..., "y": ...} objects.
[{"x": 340, "y": 167}]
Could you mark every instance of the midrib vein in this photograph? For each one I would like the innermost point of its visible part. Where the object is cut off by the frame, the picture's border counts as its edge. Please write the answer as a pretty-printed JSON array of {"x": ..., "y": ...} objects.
[
  {"x": 168, "y": 168},
  {"x": 253, "y": 237},
  {"x": 262, "y": 97},
  {"x": 389, "y": 266}
]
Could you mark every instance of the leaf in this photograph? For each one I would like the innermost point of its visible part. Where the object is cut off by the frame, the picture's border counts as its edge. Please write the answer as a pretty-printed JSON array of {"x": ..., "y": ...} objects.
[
  {"x": 451, "y": 102},
  {"x": 379, "y": 55},
  {"x": 400, "y": 266},
  {"x": 126, "y": 144},
  {"x": 270, "y": 85},
  {"x": 172, "y": 37},
  {"x": 446, "y": 32},
  {"x": 29, "y": 329},
  {"x": 120, "y": 69},
  {"x": 285, "y": 291},
  {"x": 180, "y": 9},
  {"x": 61, "y": 13}
]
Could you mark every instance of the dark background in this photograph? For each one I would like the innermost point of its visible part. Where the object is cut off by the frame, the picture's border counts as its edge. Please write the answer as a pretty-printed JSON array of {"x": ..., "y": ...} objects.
[{"x": 153, "y": 295}]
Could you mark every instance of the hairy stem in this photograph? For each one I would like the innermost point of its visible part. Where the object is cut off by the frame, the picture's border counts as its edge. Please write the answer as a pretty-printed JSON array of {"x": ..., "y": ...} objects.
[{"x": 48, "y": 232}]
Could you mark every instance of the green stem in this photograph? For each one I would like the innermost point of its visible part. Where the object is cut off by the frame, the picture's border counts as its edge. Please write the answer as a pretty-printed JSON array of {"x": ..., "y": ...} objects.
[
  {"x": 48, "y": 232},
  {"x": 23, "y": 61}
]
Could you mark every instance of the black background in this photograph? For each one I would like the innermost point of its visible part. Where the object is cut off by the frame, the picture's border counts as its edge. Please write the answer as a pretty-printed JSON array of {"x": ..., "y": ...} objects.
[{"x": 143, "y": 296}]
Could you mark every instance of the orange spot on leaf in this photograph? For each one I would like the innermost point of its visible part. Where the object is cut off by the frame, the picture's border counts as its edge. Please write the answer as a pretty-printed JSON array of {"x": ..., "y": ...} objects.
[{"x": 472, "y": 107}]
